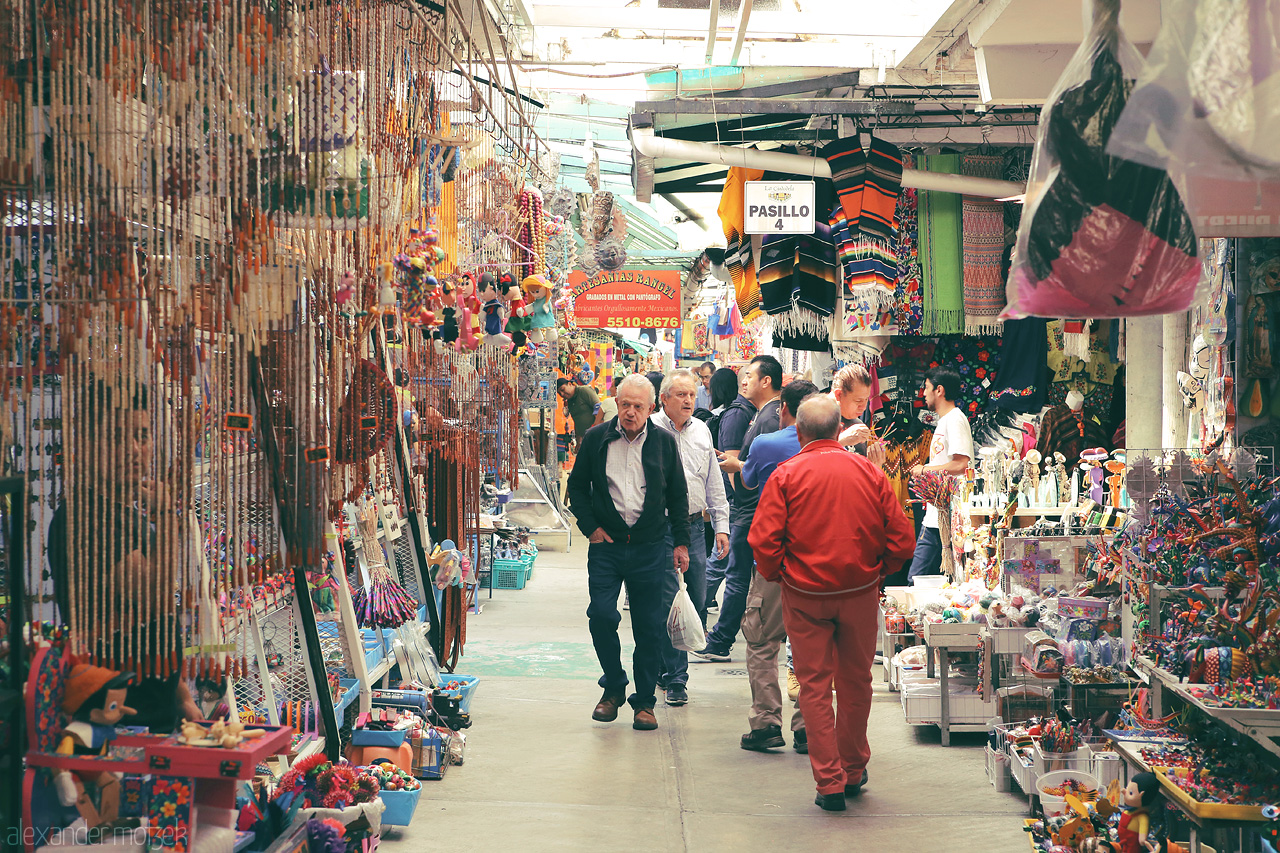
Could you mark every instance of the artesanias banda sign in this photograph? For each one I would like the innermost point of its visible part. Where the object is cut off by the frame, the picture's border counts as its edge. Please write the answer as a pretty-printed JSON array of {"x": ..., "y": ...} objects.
[
  {"x": 627, "y": 299},
  {"x": 778, "y": 207}
]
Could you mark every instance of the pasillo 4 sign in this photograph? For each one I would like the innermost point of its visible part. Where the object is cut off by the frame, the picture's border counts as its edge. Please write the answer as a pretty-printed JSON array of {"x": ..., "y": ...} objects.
[
  {"x": 778, "y": 207},
  {"x": 627, "y": 299}
]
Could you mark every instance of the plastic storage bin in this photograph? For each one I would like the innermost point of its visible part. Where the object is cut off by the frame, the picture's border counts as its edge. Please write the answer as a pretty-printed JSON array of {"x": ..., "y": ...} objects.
[
  {"x": 400, "y": 806},
  {"x": 508, "y": 574},
  {"x": 1053, "y": 805},
  {"x": 464, "y": 692}
]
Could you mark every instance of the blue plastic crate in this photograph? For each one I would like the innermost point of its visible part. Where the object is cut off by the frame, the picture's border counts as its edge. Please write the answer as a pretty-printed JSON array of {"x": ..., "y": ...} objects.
[
  {"x": 351, "y": 691},
  {"x": 465, "y": 692},
  {"x": 508, "y": 574},
  {"x": 374, "y": 650},
  {"x": 400, "y": 806},
  {"x": 387, "y": 740}
]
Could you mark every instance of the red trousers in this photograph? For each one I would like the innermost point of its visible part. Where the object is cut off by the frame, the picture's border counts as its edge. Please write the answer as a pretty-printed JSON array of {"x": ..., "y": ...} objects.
[{"x": 834, "y": 640}]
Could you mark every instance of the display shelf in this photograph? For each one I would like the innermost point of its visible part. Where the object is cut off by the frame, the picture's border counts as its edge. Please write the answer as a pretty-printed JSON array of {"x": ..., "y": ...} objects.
[
  {"x": 1265, "y": 734},
  {"x": 942, "y": 644}
]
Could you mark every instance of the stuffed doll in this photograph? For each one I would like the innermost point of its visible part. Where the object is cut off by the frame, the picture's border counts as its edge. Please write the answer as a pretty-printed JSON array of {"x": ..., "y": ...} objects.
[
  {"x": 448, "y": 312},
  {"x": 542, "y": 320},
  {"x": 487, "y": 293},
  {"x": 94, "y": 700},
  {"x": 517, "y": 310}
]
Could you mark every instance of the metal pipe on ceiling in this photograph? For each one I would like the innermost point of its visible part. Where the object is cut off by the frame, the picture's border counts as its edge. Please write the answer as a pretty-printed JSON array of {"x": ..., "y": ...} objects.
[{"x": 656, "y": 147}]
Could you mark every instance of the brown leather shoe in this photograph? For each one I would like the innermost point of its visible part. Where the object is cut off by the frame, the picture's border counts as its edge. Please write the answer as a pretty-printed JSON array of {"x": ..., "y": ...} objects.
[
  {"x": 607, "y": 709},
  {"x": 645, "y": 721}
]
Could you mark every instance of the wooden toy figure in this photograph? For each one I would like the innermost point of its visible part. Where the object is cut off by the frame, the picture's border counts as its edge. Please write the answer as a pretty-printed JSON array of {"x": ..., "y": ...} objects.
[
  {"x": 488, "y": 294},
  {"x": 94, "y": 699},
  {"x": 542, "y": 321},
  {"x": 1138, "y": 797}
]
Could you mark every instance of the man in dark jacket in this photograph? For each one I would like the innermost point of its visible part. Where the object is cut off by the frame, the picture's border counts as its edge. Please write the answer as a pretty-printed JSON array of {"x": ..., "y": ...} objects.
[{"x": 627, "y": 490}]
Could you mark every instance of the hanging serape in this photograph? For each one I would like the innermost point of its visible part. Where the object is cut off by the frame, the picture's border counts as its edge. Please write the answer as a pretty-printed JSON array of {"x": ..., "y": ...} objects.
[
  {"x": 1023, "y": 377},
  {"x": 798, "y": 282},
  {"x": 984, "y": 291},
  {"x": 941, "y": 253},
  {"x": 908, "y": 294},
  {"x": 737, "y": 254},
  {"x": 867, "y": 182}
]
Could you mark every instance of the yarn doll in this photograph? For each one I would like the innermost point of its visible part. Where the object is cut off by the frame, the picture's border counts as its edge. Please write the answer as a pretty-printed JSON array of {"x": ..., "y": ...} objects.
[
  {"x": 542, "y": 321},
  {"x": 1138, "y": 797},
  {"x": 94, "y": 699},
  {"x": 517, "y": 310},
  {"x": 488, "y": 295},
  {"x": 448, "y": 312}
]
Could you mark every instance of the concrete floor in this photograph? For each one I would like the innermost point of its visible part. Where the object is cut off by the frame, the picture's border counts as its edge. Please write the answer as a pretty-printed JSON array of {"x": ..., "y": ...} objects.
[{"x": 541, "y": 775}]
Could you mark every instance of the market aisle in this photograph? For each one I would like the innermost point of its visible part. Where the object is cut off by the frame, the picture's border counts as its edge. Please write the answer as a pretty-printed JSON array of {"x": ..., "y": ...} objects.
[{"x": 540, "y": 775}]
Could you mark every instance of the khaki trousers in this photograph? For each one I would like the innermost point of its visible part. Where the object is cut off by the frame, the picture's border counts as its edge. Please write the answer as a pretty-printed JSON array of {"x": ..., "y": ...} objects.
[{"x": 763, "y": 628}]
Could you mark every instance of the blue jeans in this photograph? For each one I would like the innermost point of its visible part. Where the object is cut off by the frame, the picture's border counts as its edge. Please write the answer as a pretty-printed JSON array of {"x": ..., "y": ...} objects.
[
  {"x": 928, "y": 557},
  {"x": 716, "y": 567},
  {"x": 675, "y": 663},
  {"x": 643, "y": 567},
  {"x": 737, "y": 581}
]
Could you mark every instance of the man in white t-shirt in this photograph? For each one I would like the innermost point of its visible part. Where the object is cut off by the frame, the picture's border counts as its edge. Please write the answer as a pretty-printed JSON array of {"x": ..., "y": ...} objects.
[{"x": 949, "y": 453}]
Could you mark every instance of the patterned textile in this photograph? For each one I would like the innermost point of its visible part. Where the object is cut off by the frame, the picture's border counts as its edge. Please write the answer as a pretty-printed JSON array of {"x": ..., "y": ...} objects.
[
  {"x": 1024, "y": 367},
  {"x": 867, "y": 181},
  {"x": 941, "y": 253},
  {"x": 865, "y": 309},
  {"x": 975, "y": 359},
  {"x": 798, "y": 282},
  {"x": 737, "y": 253},
  {"x": 983, "y": 235},
  {"x": 908, "y": 294}
]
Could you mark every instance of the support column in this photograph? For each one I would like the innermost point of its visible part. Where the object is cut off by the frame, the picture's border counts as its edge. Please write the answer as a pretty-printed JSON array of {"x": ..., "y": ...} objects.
[
  {"x": 1173, "y": 431},
  {"x": 1144, "y": 380}
]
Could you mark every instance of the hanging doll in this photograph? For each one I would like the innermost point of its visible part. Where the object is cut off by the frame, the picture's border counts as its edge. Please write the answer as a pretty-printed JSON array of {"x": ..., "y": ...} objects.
[
  {"x": 517, "y": 310},
  {"x": 448, "y": 312},
  {"x": 488, "y": 294},
  {"x": 94, "y": 699},
  {"x": 1138, "y": 797},
  {"x": 542, "y": 322},
  {"x": 470, "y": 305}
]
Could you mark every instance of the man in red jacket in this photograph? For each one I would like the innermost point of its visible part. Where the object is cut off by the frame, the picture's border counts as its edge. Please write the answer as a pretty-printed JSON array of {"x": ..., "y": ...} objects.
[{"x": 830, "y": 573}]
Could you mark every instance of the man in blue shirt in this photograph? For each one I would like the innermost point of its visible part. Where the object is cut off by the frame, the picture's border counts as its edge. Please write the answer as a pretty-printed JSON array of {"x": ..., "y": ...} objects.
[
  {"x": 762, "y": 624},
  {"x": 702, "y": 400}
]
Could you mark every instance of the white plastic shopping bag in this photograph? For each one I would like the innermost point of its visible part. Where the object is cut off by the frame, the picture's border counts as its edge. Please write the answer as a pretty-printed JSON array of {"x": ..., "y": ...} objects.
[{"x": 683, "y": 623}]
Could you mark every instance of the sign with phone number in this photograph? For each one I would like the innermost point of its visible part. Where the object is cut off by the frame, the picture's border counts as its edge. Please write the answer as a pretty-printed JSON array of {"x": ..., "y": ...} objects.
[{"x": 627, "y": 299}]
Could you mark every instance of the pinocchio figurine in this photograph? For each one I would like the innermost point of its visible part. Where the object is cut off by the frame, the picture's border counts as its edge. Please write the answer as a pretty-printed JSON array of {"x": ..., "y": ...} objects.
[
  {"x": 1138, "y": 798},
  {"x": 94, "y": 699}
]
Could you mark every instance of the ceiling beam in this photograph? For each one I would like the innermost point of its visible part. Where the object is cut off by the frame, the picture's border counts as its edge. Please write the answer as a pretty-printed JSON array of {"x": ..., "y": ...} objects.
[
  {"x": 795, "y": 87},
  {"x": 740, "y": 34},
  {"x": 712, "y": 26},
  {"x": 889, "y": 22},
  {"x": 765, "y": 106}
]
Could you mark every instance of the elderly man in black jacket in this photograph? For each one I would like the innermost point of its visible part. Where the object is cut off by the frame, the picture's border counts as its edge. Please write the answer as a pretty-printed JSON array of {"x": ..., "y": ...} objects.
[{"x": 627, "y": 489}]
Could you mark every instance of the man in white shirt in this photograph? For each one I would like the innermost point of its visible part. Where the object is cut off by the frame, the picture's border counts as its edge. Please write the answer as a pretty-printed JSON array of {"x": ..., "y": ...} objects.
[
  {"x": 628, "y": 493},
  {"x": 706, "y": 495},
  {"x": 949, "y": 453}
]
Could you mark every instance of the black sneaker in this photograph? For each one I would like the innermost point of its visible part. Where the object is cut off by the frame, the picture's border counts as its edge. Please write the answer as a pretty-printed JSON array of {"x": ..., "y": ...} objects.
[
  {"x": 710, "y": 655},
  {"x": 800, "y": 740},
  {"x": 855, "y": 790},
  {"x": 830, "y": 802},
  {"x": 759, "y": 740},
  {"x": 714, "y": 605},
  {"x": 677, "y": 695}
]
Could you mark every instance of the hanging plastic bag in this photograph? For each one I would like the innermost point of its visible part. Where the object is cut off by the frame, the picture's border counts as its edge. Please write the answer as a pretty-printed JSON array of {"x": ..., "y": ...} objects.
[
  {"x": 1207, "y": 109},
  {"x": 1100, "y": 236},
  {"x": 683, "y": 623}
]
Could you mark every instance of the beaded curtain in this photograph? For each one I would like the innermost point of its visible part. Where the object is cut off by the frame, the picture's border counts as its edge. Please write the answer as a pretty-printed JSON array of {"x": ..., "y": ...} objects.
[{"x": 185, "y": 186}]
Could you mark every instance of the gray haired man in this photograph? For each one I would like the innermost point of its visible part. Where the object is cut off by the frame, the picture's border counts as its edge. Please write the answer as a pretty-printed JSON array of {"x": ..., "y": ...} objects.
[
  {"x": 628, "y": 492},
  {"x": 706, "y": 498}
]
